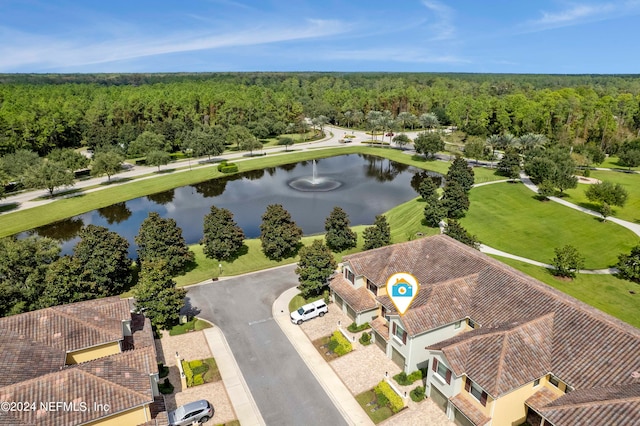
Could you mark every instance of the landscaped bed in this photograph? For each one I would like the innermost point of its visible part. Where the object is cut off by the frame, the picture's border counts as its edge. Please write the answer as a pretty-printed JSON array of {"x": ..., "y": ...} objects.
[
  {"x": 193, "y": 325},
  {"x": 332, "y": 347}
]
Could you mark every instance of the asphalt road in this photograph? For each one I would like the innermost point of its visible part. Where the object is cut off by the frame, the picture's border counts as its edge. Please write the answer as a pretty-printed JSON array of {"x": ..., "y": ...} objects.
[{"x": 284, "y": 389}]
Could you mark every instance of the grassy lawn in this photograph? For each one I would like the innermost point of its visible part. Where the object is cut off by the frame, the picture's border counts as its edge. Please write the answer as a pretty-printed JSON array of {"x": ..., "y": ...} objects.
[
  {"x": 631, "y": 182},
  {"x": 375, "y": 413},
  {"x": 507, "y": 217},
  {"x": 211, "y": 374},
  {"x": 605, "y": 292},
  {"x": 194, "y": 324},
  {"x": 15, "y": 222},
  {"x": 612, "y": 163},
  {"x": 297, "y": 301}
]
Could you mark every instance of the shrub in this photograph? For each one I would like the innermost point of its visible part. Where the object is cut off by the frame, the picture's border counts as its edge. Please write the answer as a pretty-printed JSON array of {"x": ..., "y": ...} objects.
[
  {"x": 229, "y": 168},
  {"x": 339, "y": 345},
  {"x": 165, "y": 388},
  {"x": 356, "y": 328},
  {"x": 195, "y": 364},
  {"x": 417, "y": 394},
  {"x": 222, "y": 164},
  {"x": 365, "y": 339},
  {"x": 163, "y": 370},
  {"x": 188, "y": 373},
  {"x": 395, "y": 401},
  {"x": 403, "y": 379},
  {"x": 198, "y": 380},
  {"x": 381, "y": 399},
  {"x": 416, "y": 375}
]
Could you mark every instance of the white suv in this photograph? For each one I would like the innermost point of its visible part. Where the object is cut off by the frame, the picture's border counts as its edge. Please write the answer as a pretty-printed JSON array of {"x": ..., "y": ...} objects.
[{"x": 308, "y": 311}]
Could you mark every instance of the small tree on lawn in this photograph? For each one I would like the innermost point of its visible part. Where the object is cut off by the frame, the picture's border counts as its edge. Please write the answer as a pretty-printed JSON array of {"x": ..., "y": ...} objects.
[
  {"x": 314, "y": 268},
  {"x": 509, "y": 164},
  {"x": 339, "y": 235},
  {"x": 161, "y": 239},
  {"x": 286, "y": 141},
  {"x": 48, "y": 175},
  {"x": 250, "y": 144},
  {"x": 607, "y": 194},
  {"x": 222, "y": 238},
  {"x": 428, "y": 143},
  {"x": 457, "y": 232},
  {"x": 401, "y": 140},
  {"x": 158, "y": 158},
  {"x": 474, "y": 149},
  {"x": 455, "y": 200},
  {"x": 378, "y": 235},
  {"x": 279, "y": 234},
  {"x": 156, "y": 295},
  {"x": 106, "y": 163},
  {"x": 428, "y": 190},
  {"x": 567, "y": 261},
  {"x": 433, "y": 213},
  {"x": 546, "y": 190},
  {"x": 629, "y": 265},
  {"x": 460, "y": 172}
]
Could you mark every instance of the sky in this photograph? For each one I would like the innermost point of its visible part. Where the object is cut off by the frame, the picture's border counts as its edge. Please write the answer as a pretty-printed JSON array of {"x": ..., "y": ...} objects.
[{"x": 485, "y": 36}]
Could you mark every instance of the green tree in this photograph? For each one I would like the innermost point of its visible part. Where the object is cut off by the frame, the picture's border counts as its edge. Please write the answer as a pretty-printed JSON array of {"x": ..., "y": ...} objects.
[
  {"x": 69, "y": 158},
  {"x": 23, "y": 266},
  {"x": 457, "y": 232},
  {"x": 474, "y": 149},
  {"x": 250, "y": 144},
  {"x": 434, "y": 212},
  {"x": 401, "y": 140},
  {"x": 339, "y": 235},
  {"x": 156, "y": 295},
  {"x": 146, "y": 142},
  {"x": 158, "y": 158},
  {"x": 105, "y": 257},
  {"x": 106, "y": 163},
  {"x": 428, "y": 143},
  {"x": 429, "y": 120},
  {"x": 315, "y": 266},
  {"x": 455, "y": 200},
  {"x": 204, "y": 143},
  {"x": 66, "y": 281},
  {"x": 607, "y": 193},
  {"x": 629, "y": 265},
  {"x": 567, "y": 261},
  {"x": 48, "y": 175},
  {"x": 279, "y": 234},
  {"x": 16, "y": 163},
  {"x": 509, "y": 164},
  {"x": 222, "y": 238},
  {"x": 239, "y": 134},
  {"x": 459, "y": 171},
  {"x": 428, "y": 190},
  {"x": 161, "y": 239},
  {"x": 546, "y": 190},
  {"x": 286, "y": 141},
  {"x": 378, "y": 235}
]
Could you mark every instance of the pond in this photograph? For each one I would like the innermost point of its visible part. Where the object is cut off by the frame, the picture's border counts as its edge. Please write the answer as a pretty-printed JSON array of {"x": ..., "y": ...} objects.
[{"x": 368, "y": 186}]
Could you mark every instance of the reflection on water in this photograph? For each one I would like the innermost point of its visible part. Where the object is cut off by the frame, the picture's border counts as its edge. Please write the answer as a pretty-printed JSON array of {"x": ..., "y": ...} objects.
[{"x": 370, "y": 186}]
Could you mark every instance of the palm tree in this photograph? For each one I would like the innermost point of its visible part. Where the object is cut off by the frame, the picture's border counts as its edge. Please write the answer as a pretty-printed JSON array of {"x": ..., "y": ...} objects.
[
  {"x": 373, "y": 118},
  {"x": 405, "y": 118},
  {"x": 429, "y": 120},
  {"x": 347, "y": 116},
  {"x": 530, "y": 141}
]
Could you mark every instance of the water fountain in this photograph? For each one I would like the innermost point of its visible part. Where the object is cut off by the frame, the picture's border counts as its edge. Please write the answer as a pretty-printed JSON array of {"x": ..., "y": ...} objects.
[{"x": 315, "y": 183}]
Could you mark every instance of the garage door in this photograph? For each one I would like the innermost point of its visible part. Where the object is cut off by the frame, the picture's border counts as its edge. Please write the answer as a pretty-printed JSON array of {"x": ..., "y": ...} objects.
[
  {"x": 382, "y": 344},
  {"x": 338, "y": 300},
  {"x": 397, "y": 357},
  {"x": 351, "y": 313},
  {"x": 439, "y": 398},
  {"x": 460, "y": 419}
]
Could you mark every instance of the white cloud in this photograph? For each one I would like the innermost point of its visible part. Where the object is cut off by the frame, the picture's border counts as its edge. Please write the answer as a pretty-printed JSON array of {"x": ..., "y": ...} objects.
[
  {"x": 581, "y": 13},
  {"x": 29, "y": 50},
  {"x": 443, "y": 27},
  {"x": 574, "y": 14}
]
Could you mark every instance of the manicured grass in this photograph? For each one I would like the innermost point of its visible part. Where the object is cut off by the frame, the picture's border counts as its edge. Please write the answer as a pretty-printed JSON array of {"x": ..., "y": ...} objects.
[
  {"x": 605, "y": 292},
  {"x": 406, "y": 221},
  {"x": 194, "y": 324},
  {"x": 212, "y": 374},
  {"x": 15, "y": 222},
  {"x": 631, "y": 182},
  {"x": 612, "y": 163},
  {"x": 506, "y": 216},
  {"x": 378, "y": 414}
]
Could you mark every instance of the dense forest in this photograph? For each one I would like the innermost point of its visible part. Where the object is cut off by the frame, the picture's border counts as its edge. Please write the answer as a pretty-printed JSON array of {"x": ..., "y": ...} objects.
[{"x": 41, "y": 113}]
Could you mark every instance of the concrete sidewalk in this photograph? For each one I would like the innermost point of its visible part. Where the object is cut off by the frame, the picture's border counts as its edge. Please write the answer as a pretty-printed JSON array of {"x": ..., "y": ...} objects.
[
  {"x": 328, "y": 379},
  {"x": 237, "y": 389}
]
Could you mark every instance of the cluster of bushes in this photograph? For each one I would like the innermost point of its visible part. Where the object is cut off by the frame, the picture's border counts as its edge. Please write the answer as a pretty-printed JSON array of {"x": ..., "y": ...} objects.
[
  {"x": 338, "y": 344},
  {"x": 385, "y": 395},
  {"x": 193, "y": 371},
  {"x": 365, "y": 339},
  {"x": 405, "y": 379},
  {"x": 356, "y": 328},
  {"x": 165, "y": 388},
  {"x": 226, "y": 167},
  {"x": 372, "y": 142},
  {"x": 163, "y": 370}
]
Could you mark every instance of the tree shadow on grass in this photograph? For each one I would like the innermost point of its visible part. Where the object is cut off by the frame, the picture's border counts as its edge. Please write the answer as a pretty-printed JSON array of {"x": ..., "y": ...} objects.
[
  {"x": 239, "y": 253},
  {"x": 116, "y": 180},
  {"x": 8, "y": 207},
  {"x": 164, "y": 171}
]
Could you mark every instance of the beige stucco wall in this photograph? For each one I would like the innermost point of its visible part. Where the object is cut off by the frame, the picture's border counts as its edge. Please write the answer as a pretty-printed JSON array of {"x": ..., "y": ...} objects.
[
  {"x": 134, "y": 416},
  {"x": 94, "y": 352}
]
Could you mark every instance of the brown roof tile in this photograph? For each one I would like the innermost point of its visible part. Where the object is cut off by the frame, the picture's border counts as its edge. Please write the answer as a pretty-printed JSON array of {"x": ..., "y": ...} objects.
[
  {"x": 381, "y": 327},
  {"x": 360, "y": 299},
  {"x": 467, "y": 408},
  {"x": 541, "y": 398}
]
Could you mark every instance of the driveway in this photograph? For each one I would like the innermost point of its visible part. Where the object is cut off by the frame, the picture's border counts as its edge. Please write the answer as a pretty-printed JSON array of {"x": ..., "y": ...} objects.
[{"x": 283, "y": 387}]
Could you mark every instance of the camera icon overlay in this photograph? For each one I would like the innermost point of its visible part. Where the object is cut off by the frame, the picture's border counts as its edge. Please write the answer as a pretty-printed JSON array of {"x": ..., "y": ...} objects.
[{"x": 402, "y": 289}]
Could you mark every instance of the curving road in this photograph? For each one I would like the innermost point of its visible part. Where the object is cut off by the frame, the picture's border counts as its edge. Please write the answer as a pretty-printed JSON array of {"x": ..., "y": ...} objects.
[{"x": 285, "y": 390}]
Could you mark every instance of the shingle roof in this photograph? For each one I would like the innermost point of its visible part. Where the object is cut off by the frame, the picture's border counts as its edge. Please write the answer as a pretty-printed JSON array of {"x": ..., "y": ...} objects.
[
  {"x": 360, "y": 299},
  {"x": 502, "y": 358},
  {"x": 527, "y": 329},
  {"x": 120, "y": 380},
  {"x": 541, "y": 398},
  {"x": 469, "y": 410}
]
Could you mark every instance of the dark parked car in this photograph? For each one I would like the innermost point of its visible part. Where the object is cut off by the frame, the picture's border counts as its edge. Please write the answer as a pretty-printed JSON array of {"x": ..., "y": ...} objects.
[{"x": 199, "y": 411}]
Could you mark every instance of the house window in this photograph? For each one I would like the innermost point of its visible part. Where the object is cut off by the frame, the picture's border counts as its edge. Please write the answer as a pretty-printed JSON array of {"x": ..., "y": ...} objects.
[
  {"x": 536, "y": 382},
  {"x": 349, "y": 275},
  {"x": 443, "y": 372},
  {"x": 457, "y": 325},
  {"x": 476, "y": 392},
  {"x": 555, "y": 382},
  {"x": 472, "y": 324},
  {"x": 399, "y": 333},
  {"x": 372, "y": 288}
]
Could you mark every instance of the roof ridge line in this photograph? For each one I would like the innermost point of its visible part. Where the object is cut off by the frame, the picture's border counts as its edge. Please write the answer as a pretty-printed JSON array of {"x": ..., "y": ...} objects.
[
  {"x": 591, "y": 403},
  {"x": 77, "y": 320}
]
